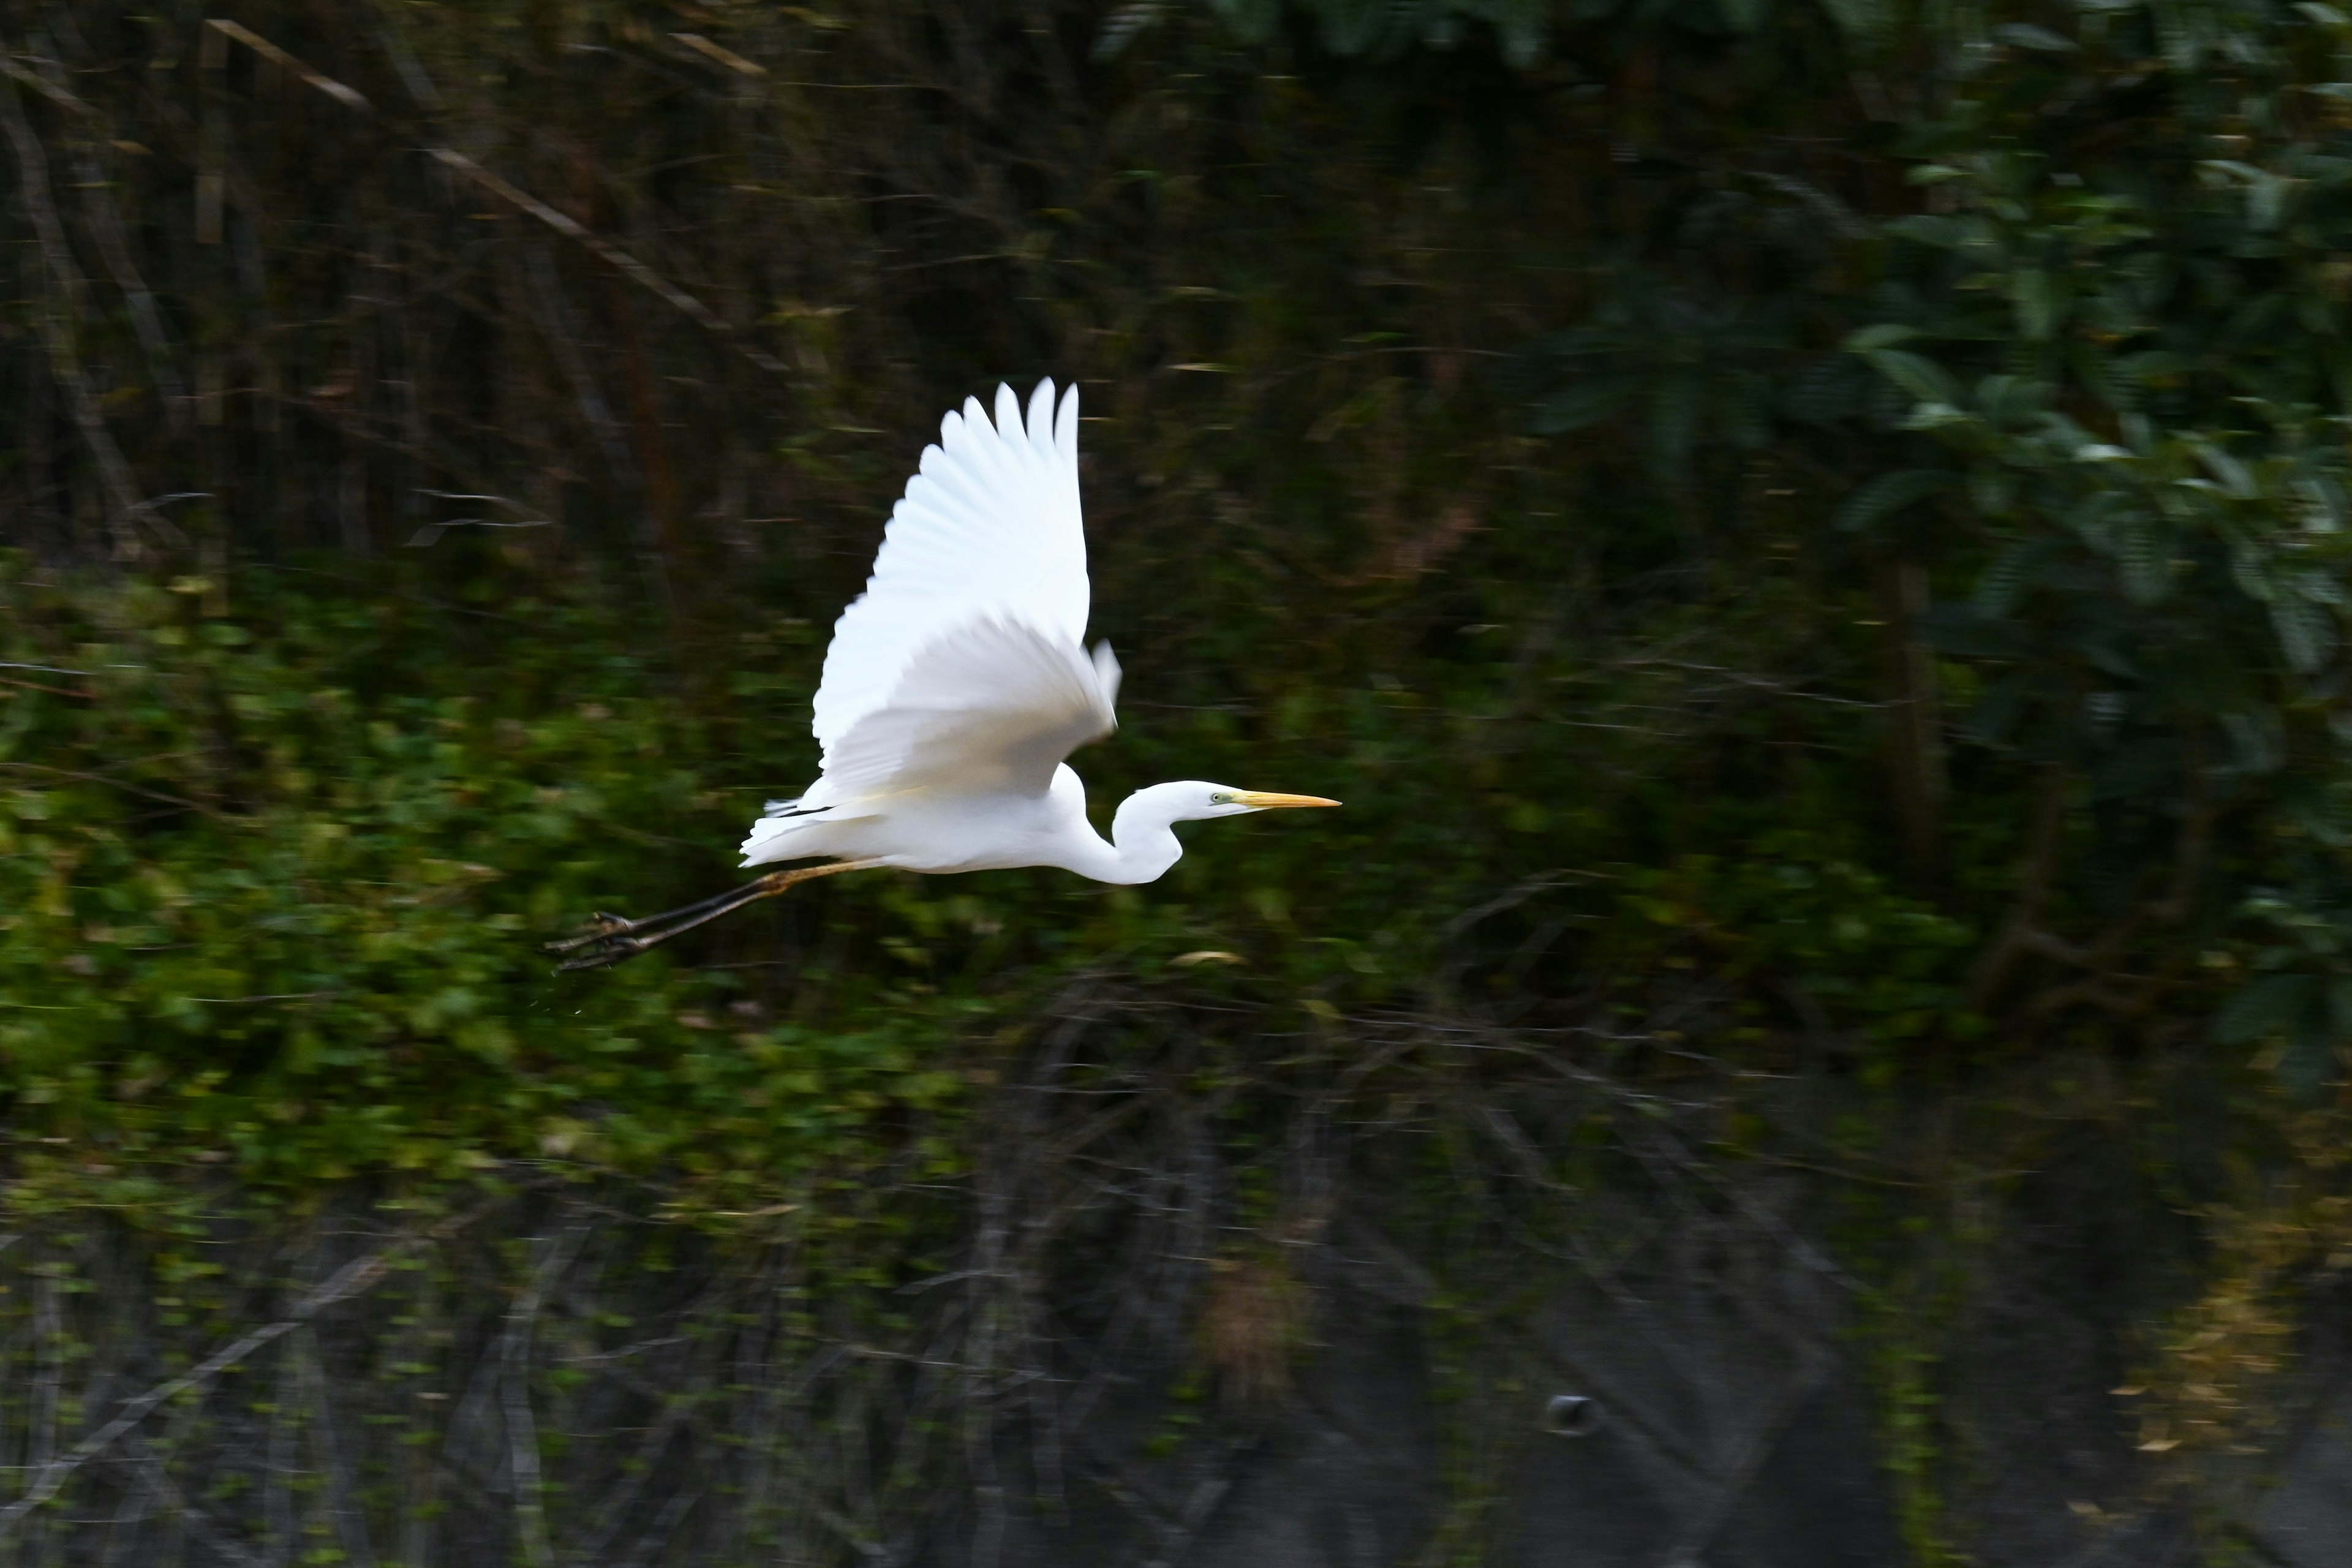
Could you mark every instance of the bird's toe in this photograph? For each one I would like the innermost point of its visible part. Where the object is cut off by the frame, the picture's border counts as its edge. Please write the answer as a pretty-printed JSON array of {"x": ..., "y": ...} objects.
[
  {"x": 601, "y": 928},
  {"x": 602, "y": 949}
]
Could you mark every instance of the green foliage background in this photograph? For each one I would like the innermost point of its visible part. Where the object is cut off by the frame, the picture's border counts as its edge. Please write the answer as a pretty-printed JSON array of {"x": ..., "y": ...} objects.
[{"x": 1811, "y": 539}]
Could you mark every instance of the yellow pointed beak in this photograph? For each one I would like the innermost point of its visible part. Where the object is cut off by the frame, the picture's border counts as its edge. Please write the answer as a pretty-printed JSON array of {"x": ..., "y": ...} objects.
[{"x": 1264, "y": 801}]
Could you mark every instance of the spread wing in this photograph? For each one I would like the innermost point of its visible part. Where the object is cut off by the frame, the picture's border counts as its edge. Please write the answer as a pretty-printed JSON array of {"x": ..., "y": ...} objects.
[
  {"x": 988, "y": 530},
  {"x": 990, "y": 708}
]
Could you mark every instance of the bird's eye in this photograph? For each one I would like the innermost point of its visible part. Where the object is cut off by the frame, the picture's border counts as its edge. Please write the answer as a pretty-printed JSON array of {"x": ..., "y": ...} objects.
[{"x": 1221, "y": 800}]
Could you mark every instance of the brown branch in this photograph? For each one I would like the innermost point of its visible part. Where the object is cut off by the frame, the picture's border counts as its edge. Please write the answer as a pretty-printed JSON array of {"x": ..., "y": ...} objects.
[
  {"x": 54, "y": 690},
  {"x": 350, "y": 98}
]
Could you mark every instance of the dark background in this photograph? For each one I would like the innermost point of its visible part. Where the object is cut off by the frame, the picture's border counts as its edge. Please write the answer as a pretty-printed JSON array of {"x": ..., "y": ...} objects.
[{"x": 1810, "y": 539}]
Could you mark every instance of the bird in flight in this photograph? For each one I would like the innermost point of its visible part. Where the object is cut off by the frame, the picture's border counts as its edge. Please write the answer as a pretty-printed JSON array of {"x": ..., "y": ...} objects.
[{"x": 954, "y": 687}]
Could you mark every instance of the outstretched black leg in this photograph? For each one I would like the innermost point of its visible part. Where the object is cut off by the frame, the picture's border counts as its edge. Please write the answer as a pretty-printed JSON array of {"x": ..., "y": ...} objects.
[{"x": 609, "y": 938}]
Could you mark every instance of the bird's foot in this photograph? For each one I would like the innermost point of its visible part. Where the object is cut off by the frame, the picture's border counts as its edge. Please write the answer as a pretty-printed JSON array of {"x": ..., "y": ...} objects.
[{"x": 607, "y": 939}]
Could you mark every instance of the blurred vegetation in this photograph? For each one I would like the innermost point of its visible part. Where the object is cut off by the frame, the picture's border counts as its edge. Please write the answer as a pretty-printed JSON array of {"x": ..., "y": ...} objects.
[{"x": 1812, "y": 541}]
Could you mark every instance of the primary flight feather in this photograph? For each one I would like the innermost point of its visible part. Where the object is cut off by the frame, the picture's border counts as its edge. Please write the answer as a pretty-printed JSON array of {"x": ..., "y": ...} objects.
[{"x": 955, "y": 685}]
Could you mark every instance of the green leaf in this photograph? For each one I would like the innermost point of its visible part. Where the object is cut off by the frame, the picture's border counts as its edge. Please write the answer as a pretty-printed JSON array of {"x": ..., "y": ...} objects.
[
  {"x": 2041, "y": 305},
  {"x": 1675, "y": 409},
  {"x": 1956, "y": 629},
  {"x": 1924, "y": 229},
  {"x": 1835, "y": 387},
  {"x": 1251, "y": 21},
  {"x": 2143, "y": 553},
  {"x": 1920, "y": 376},
  {"x": 1584, "y": 403},
  {"x": 1121, "y": 27},
  {"x": 2257, "y": 740},
  {"x": 1887, "y": 494},
  {"x": 1862, "y": 22},
  {"x": 1885, "y": 334},
  {"x": 2306, "y": 634},
  {"x": 1523, "y": 25},
  {"x": 2264, "y": 1007},
  {"x": 1744, "y": 408},
  {"x": 2027, "y": 35},
  {"x": 2004, "y": 582},
  {"x": 2309, "y": 1062}
]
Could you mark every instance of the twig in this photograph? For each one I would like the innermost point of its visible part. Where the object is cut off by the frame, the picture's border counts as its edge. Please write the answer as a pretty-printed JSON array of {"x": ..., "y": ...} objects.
[
  {"x": 351, "y": 98},
  {"x": 522, "y": 1431},
  {"x": 105, "y": 220},
  {"x": 684, "y": 302},
  {"x": 2043, "y": 841},
  {"x": 52, "y": 691},
  {"x": 561, "y": 328},
  {"x": 1200, "y": 1505},
  {"x": 48, "y": 1357},
  {"x": 664, "y": 1526},
  {"x": 115, "y": 782},
  {"x": 350, "y": 1523},
  {"x": 33, "y": 180},
  {"x": 635, "y": 1473},
  {"x": 48, "y": 89},
  {"x": 277, "y": 1465},
  {"x": 720, "y": 54},
  {"x": 193, "y": 1520},
  {"x": 1699, "y": 1530},
  {"x": 273, "y": 996}
]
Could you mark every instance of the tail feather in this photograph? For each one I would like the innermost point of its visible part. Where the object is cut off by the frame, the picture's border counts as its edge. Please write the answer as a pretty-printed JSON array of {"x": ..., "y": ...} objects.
[
  {"x": 770, "y": 835},
  {"x": 767, "y": 837}
]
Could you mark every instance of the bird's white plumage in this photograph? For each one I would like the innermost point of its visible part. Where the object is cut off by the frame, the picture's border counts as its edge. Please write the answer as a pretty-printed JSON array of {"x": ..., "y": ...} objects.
[
  {"x": 989, "y": 526},
  {"x": 961, "y": 671},
  {"x": 991, "y": 707}
]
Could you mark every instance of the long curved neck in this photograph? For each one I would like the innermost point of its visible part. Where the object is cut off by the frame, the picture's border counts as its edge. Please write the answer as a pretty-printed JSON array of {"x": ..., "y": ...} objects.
[{"x": 1143, "y": 842}]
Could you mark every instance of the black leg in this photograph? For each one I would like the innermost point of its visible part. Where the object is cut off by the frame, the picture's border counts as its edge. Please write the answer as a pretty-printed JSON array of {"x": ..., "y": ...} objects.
[{"x": 610, "y": 938}]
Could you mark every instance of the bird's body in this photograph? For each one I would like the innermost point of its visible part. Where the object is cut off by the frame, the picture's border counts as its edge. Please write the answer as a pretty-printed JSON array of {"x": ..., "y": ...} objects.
[
  {"x": 946, "y": 830},
  {"x": 955, "y": 685}
]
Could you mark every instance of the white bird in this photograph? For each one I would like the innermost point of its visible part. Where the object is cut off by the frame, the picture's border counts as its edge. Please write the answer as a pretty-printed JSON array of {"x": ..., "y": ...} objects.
[{"x": 955, "y": 685}]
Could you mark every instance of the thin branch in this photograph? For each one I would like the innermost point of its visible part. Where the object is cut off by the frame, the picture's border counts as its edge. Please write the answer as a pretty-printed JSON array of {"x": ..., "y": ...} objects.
[
  {"x": 32, "y": 180},
  {"x": 514, "y": 1389},
  {"x": 685, "y": 303},
  {"x": 679, "y": 298}
]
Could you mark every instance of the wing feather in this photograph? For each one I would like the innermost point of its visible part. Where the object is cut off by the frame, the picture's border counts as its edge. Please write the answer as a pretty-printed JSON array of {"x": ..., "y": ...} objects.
[
  {"x": 990, "y": 708},
  {"x": 989, "y": 529}
]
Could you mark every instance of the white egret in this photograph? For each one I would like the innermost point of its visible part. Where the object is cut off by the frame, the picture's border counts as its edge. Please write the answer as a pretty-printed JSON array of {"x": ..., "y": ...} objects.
[{"x": 955, "y": 685}]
